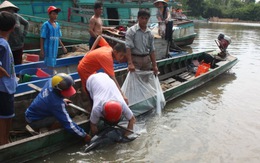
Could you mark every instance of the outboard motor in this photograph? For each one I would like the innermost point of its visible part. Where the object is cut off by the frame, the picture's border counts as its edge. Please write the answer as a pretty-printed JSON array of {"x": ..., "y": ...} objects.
[{"x": 223, "y": 42}]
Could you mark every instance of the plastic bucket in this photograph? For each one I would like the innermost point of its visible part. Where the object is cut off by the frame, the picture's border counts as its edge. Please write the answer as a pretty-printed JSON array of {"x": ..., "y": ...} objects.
[
  {"x": 202, "y": 68},
  {"x": 32, "y": 74},
  {"x": 32, "y": 58},
  {"x": 41, "y": 73}
]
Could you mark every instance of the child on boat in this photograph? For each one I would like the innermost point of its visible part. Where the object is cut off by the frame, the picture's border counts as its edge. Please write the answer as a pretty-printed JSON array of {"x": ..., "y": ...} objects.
[
  {"x": 8, "y": 82},
  {"x": 49, "y": 107},
  {"x": 50, "y": 38}
]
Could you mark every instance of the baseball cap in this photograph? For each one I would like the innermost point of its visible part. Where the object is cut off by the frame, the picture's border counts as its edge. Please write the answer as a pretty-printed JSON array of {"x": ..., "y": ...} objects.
[{"x": 53, "y": 8}]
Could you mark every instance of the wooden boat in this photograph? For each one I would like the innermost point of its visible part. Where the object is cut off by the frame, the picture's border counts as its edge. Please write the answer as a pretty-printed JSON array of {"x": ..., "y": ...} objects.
[
  {"x": 124, "y": 13},
  {"x": 74, "y": 20},
  {"x": 66, "y": 65},
  {"x": 175, "y": 78},
  {"x": 72, "y": 33}
]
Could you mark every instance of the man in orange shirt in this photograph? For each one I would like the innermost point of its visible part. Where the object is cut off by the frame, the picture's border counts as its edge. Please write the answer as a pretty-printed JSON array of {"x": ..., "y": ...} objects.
[{"x": 102, "y": 57}]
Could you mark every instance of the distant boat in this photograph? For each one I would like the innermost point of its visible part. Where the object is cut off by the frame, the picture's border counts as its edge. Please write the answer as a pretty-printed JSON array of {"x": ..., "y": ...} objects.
[{"x": 74, "y": 20}]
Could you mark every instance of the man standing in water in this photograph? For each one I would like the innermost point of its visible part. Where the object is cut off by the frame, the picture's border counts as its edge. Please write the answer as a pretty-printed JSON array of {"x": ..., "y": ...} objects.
[{"x": 95, "y": 24}]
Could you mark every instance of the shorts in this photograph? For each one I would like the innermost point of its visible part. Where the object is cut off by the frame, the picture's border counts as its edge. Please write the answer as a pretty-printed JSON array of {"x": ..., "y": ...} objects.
[
  {"x": 46, "y": 122},
  {"x": 142, "y": 63},
  {"x": 18, "y": 56},
  {"x": 91, "y": 42},
  {"x": 6, "y": 105}
]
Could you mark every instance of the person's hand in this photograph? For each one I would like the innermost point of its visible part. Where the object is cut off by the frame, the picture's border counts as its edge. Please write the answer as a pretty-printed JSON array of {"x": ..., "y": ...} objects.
[
  {"x": 87, "y": 138},
  {"x": 64, "y": 49},
  {"x": 126, "y": 99},
  {"x": 112, "y": 29},
  {"x": 42, "y": 53},
  {"x": 155, "y": 70},
  {"x": 67, "y": 101},
  {"x": 131, "y": 67},
  {"x": 3, "y": 72}
]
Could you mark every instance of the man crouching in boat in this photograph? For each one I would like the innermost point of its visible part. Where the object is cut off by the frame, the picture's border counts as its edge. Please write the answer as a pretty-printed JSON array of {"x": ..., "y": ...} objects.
[
  {"x": 49, "y": 106},
  {"x": 108, "y": 103}
]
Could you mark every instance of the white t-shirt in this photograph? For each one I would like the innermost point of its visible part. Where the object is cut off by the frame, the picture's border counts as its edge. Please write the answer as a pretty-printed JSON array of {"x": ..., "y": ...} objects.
[{"x": 103, "y": 89}]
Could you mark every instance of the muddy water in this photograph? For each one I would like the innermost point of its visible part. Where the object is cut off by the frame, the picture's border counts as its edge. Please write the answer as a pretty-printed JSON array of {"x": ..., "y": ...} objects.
[{"x": 217, "y": 123}]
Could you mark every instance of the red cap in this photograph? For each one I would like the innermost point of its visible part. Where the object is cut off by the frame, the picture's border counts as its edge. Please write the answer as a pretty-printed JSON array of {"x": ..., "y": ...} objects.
[
  {"x": 53, "y": 8},
  {"x": 112, "y": 111},
  {"x": 63, "y": 82},
  {"x": 68, "y": 92}
]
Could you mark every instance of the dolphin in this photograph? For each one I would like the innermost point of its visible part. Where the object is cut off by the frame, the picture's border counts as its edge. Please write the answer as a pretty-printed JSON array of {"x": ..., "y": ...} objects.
[{"x": 108, "y": 135}]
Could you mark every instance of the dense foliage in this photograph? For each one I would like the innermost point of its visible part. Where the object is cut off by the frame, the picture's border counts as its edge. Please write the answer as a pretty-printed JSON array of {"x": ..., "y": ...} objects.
[{"x": 241, "y": 9}]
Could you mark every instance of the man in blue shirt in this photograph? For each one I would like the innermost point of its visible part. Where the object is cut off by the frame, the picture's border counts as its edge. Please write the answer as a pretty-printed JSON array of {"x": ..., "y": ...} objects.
[{"x": 49, "y": 106}]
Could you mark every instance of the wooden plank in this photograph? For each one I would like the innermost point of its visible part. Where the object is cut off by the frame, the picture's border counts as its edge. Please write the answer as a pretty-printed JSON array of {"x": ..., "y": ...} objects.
[
  {"x": 170, "y": 74},
  {"x": 168, "y": 81}
]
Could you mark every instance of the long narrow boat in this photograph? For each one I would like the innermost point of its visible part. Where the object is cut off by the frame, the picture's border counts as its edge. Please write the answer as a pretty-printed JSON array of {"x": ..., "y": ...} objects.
[
  {"x": 77, "y": 33},
  {"x": 174, "y": 72}
]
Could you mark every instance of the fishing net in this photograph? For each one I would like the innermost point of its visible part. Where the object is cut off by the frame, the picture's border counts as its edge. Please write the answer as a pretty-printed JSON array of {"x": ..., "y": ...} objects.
[{"x": 143, "y": 91}]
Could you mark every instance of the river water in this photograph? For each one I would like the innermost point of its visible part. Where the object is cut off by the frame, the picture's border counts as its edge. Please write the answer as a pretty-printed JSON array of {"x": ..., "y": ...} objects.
[{"x": 216, "y": 123}]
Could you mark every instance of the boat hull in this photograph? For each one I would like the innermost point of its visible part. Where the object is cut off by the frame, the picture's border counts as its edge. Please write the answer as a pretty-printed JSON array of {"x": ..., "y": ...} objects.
[
  {"x": 38, "y": 145},
  {"x": 184, "y": 41},
  {"x": 196, "y": 82}
]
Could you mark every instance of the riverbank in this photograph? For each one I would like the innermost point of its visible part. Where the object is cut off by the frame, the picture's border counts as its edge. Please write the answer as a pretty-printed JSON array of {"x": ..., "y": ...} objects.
[{"x": 230, "y": 20}]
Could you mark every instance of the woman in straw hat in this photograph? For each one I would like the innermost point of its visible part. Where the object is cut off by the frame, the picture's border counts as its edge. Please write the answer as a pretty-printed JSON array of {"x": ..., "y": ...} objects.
[
  {"x": 163, "y": 15},
  {"x": 16, "y": 38}
]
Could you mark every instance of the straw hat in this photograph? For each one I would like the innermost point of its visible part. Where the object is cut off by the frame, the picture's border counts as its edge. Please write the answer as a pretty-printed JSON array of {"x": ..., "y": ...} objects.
[
  {"x": 7, "y": 4},
  {"x": 160, "y": 1}
]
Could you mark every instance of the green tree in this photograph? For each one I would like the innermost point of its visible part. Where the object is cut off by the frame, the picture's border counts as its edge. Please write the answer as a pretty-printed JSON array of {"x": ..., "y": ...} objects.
[
  {"x": 195, "y": 6},
  {"x": 236, "y": 4},
  {"x": 249, "y": 1}
]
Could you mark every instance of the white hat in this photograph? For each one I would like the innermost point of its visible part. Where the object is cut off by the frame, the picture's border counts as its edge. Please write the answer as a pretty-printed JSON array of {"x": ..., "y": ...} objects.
[
  {"x": 160, "y": 1},
  {"x": 7, "y": 4}
]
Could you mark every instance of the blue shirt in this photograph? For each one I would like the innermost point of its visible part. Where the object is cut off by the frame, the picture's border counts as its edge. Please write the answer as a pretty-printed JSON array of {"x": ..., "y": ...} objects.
[
  {"x": 7, "y": 84},
  {"x": 49, "y": 104},
  {"x": 51, "y": 38}
]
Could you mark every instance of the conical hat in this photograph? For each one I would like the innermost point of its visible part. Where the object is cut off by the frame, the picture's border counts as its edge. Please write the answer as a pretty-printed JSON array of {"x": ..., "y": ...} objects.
[
  {"x": 160, "y": 1},
  {"x": 7, "y": 4}
]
